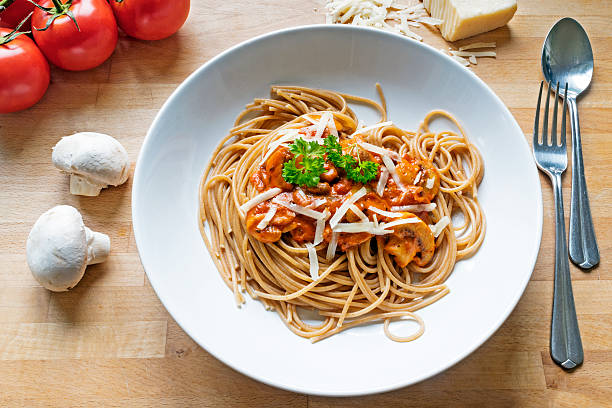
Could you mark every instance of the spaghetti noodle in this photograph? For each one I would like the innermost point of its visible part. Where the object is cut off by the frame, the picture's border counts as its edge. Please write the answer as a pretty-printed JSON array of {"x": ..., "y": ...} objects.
[{"x": 373, "y": 274}]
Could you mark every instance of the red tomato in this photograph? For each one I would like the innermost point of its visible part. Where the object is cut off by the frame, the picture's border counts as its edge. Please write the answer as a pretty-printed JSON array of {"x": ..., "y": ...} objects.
[
  {"x": 24, "y": 73},
  {"x": 150, "y": 19},
  {"x": 67, "y": 47},
  {"x": 15, "y": 13}
]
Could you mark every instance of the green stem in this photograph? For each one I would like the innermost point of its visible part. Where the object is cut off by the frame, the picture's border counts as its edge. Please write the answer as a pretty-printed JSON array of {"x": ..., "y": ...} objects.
[{"x": 58, "y": 5}]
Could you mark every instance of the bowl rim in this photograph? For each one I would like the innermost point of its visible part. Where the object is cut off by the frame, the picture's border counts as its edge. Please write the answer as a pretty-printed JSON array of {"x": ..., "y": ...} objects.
[{"x": 296, "y": 388}]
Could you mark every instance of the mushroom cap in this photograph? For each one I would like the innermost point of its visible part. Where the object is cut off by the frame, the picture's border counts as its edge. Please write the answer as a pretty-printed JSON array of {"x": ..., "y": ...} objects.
[
  {"x": 98, "y": 158},
  {"x": 57, "y": 248}
]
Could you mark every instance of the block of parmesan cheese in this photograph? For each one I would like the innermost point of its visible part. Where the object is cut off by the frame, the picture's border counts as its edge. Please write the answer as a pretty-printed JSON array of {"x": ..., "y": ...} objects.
[{"x": 465, "y": 18}]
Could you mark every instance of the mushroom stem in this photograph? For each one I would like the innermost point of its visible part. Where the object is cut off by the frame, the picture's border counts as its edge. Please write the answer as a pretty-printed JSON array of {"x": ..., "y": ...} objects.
[
  {"x": 80, "y": 186},
  {"x": 98, "y": 246}
]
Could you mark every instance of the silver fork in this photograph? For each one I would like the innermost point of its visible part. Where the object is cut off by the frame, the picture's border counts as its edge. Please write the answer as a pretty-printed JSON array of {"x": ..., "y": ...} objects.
[{"x": 551, "y": 158}]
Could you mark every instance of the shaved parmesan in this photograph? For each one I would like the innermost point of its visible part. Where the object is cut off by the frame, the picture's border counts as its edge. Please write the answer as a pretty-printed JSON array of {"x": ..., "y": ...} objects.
[
  {"x": 430, "y": 183},
  {"x": 414, "y": 207},
  {"x": 379, "y": 150},
  {"x": 373, "y": 127},
  {"x": 325, "y": 117},
  {"x": 460, "y": 60},
  {"x": 354, "y": 227},
  {"x": 439, "y": 226},
  {"x": 288, "y": 136},
  {"x": 382, "y": 181},
  {"x": 410, "y": 220},
  {"x": 267, "y": 218},
  {"x": 475, "y": 54},
  {"x": 299, "y": 209},
  {"x": 317, "y": 203},
  {"x": 357, "y": 227},
  {"x": 388, "y": 214},
  {"x": 473, "y": 60},
  {"x": 358, "y": 213},
  {"x": 331, "y": 248},
  {"x": 321, "y": 227},
  {"x": 314, "y": 261},
  {"x": 345, "y": 206},
  {"x": 417, "y": 178},
  {"x": 332, "y": 127},
  {"x": 260, "y": 198},
  {"x": 478, "y": 45},
  {"x": 391, "y": 168}
]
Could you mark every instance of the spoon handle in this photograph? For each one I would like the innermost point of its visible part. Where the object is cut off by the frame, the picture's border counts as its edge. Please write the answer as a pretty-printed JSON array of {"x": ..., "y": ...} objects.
[{"x": 583, "y": 248}]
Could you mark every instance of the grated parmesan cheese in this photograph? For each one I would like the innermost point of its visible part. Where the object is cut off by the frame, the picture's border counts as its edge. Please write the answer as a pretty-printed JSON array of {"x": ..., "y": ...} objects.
[
  {"x": 411, "y": 220},
  {"x": 382, "y": 181},
  {"x": 286, "y": 138},
  {"x": 478, "y": 45},
  {"x": 465, "y": 57},
  {"x": 299, "y": 209},
  {"x": 345, "y": 206},
  {"x": 379, "y": 150},
  {"x": 391, "y": 168},
  {"x": 439, "y": 226},
  {"x": 430, "y": 183},
  {"x": 331, "y": 247},
  {"x": 314, "y": 261},
  {"x": 372, "y": 127},
  {"x": 417, "y": 178},
  {"x": 387, "y": 214},
  {"x": 260, "y": 198},
  {"x": 358, "y": 213},
  {"x": 267, "y": 218},
  {"x": 325, "y": 118},
  {"x": 321, "y": 227},
  {"x": 414, "y": 207},
  {"x": 388, "y": 15}
]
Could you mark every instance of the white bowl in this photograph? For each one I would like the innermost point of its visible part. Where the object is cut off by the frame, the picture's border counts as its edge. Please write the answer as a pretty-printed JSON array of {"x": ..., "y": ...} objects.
[{"x": 416, "y": 79}]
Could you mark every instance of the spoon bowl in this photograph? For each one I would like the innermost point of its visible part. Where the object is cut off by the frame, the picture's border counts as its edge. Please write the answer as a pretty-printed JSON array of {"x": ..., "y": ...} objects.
[{"x": 567, "y": 56}]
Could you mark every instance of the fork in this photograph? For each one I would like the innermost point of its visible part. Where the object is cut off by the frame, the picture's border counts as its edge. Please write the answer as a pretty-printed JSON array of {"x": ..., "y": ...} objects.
[{"x": 551, "y": 158}]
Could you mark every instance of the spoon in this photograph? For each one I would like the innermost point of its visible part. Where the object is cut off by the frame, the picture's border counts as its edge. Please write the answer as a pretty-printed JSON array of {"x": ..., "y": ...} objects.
[{"x": 567, "y": 58}]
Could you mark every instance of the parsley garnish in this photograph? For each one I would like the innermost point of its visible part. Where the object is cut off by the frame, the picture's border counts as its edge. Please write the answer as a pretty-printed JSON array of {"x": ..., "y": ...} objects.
[
  {"x": 312, "y": 163},
  {"x": 356, "y": 170},
  {"x": 363, "y": 172}
]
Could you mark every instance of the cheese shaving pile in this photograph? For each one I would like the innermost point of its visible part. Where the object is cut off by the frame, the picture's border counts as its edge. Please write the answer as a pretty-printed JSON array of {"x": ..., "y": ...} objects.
[
  {"x": 465, "y": 57},
  {"x": 398, "y": 18},
  {"x": 386, "y": 14}
]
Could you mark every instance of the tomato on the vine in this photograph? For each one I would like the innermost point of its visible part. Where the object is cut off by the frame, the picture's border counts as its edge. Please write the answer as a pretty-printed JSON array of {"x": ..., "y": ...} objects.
[
  {"x": 24, "y": 72},
  {"x": 75, "y": 35},
  {"x": 150, "y": 19}
]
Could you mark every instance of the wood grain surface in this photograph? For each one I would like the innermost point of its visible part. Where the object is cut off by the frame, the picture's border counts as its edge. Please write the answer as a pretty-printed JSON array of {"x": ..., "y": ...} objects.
[{"x": 109, "y": 342}]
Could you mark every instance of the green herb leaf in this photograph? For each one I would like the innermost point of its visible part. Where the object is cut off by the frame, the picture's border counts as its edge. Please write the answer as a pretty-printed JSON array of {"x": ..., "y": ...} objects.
[
  {"x": 309, "y": 156},
  {"x": 361, "y": 172}
]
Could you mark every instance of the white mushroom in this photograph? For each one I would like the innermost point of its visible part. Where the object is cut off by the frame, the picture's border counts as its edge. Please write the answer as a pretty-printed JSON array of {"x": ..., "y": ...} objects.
[
  {"x": 60, "y": 247},
  {"x": 93, "y": 160}
]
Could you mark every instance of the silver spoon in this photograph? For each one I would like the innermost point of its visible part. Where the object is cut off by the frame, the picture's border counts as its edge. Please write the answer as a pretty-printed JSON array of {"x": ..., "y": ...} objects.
[{"x": 567, "y": 58}]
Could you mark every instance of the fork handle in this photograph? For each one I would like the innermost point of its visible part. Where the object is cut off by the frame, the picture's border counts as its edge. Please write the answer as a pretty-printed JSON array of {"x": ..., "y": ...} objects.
[
  {"x": 565, "y": 342},
  {"x": 582, "y": 242}
]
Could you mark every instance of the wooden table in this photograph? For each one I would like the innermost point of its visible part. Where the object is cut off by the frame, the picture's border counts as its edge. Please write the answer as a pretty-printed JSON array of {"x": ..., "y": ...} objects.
[{"x": 110, "y": 341}]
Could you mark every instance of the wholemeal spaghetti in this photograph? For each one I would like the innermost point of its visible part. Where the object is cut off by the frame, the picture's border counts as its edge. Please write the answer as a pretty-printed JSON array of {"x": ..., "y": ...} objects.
[{"x": 370, "y": 234}]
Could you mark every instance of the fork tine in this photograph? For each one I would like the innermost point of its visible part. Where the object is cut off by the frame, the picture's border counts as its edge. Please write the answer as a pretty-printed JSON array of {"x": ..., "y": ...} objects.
[
  {"x": 537, "y": 117},
  {"x": 563, "y": 135},
  {"x": 553, "y": 130},
  {"x": 545, "y": 124}
]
